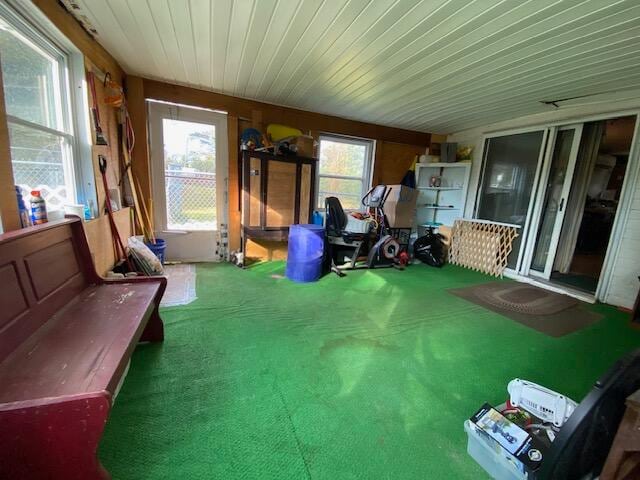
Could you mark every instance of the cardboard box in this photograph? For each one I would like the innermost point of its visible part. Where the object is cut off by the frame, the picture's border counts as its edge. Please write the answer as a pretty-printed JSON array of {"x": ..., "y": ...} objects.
[
  {"x": 305, "y": 145},
  {"x": 512, "y": 454},
  {"x": 400, "y": 206}
]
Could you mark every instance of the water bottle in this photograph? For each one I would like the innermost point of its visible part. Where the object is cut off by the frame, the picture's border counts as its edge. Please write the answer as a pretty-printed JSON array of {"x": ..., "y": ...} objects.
[
  {"x": 38, "y": 208},
  {"x": 317, "y": 218},
  {"x": 25, "y": 219}
]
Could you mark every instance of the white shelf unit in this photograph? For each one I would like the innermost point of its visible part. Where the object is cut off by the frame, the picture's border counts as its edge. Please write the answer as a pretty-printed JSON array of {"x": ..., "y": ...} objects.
[{"x": 445, "y": 203}]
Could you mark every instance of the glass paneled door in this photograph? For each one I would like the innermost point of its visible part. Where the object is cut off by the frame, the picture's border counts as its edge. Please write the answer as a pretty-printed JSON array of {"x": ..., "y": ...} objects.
[
  {"x": 189, "y": 172},
  {"x": 551, "y": 200},
  {"x": 509, "y": 174}
]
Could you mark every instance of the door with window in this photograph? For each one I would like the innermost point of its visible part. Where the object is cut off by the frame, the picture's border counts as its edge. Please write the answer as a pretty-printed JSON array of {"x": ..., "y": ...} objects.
[
  {"x": 344, "y": 171},
  {"x": 189, "y": 173},
  {"x": 510, "y": 172},
  {"x": 551, "y": 199}
]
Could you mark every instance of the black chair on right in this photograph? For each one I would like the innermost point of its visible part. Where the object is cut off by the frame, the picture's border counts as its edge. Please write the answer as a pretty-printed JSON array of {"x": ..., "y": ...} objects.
[{"x": 581, "y": 447}]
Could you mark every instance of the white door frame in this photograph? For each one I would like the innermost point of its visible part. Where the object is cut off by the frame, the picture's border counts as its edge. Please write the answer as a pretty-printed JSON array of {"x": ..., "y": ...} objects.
[
  {"x": 183, "y": 245},
  {"x": 540, "y": 198},
  {"x": 630, "y": 188}
]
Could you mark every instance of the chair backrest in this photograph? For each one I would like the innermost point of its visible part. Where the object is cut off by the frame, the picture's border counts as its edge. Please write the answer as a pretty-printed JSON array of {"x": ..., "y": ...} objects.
[
  {"x": 582, "y": 445},
  {"x": 376, "y": 197},
  {"x": 42, "y": 269},
  {"x": 335, "y": 218}
]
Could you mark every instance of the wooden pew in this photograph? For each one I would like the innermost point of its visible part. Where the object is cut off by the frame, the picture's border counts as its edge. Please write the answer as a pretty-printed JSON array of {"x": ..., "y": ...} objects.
[{"x": 66, "y": 338}]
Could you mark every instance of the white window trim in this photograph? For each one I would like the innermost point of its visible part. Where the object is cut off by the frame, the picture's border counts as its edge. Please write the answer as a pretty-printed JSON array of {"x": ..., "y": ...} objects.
[
  {"x": 74, "y": 97},
  {"x": 367, "y": 175}
]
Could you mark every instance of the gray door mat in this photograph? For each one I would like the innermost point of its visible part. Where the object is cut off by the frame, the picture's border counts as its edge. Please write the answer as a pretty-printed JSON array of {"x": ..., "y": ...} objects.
[{"x": 548, "y": 312}]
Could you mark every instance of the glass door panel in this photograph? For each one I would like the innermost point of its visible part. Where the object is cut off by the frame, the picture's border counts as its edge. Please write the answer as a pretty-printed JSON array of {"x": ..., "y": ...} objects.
[
  {"x": 556, "y": 182},
  {"x": 190, "y": 175},
  {"x": 508, "y": 177}
]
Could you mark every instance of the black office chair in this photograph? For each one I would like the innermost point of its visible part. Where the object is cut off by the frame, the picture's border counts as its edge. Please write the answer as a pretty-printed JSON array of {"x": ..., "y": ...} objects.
[{"x": 335, "y": 223}]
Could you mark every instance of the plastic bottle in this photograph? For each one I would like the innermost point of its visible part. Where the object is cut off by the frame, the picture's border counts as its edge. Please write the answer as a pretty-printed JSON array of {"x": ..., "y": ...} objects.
[
  {"x": 317, "y": 218},
  {"x": 38, "y": 208},
  {"x": 25, "y": 218}
]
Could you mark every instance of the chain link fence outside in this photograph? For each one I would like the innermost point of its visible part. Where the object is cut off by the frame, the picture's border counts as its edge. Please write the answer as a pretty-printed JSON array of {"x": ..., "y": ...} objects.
[
  {"x": 48, "y": 177},
  {"x": 191, "y": 200},
  {"x": 38, "y": 164}
]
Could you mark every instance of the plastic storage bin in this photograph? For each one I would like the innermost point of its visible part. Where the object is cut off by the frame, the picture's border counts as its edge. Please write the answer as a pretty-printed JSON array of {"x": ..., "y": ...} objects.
[
  {"x": 357, "y": 226},
  {"x": 491, "y": 456},
  {"x": 305, "y": 252}
]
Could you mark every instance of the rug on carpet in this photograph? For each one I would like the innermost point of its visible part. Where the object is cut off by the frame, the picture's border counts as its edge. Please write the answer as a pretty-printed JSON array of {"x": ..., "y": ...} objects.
[
  {"x": 548, "y": 312},
  {"x": 181, "y": 285}
]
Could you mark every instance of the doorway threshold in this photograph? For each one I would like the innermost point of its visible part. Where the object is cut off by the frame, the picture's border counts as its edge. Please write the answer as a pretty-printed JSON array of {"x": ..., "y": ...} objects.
[{"x": 554, "y": 287}]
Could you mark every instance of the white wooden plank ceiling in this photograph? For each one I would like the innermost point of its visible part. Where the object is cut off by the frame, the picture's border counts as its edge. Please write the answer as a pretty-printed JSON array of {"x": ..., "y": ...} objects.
[{"x": 432, "y": 65}]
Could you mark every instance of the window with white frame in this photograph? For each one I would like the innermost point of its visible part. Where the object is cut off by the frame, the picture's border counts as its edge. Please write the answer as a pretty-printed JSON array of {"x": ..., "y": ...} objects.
[
  {"x": 344, "y": 170},
  {"x": 37, "y": 98}
]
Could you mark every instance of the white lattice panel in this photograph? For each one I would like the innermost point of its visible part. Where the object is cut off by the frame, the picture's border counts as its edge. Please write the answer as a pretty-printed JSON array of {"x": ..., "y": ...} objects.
[{"x": 482, "y": 246}]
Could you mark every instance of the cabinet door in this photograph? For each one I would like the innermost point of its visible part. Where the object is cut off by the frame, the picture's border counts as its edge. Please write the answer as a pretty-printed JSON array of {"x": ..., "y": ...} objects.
[
  {"x": 252, "y": 200},
  {"x": 281, "y": 193},
  {"x": 306, "y": 182}
]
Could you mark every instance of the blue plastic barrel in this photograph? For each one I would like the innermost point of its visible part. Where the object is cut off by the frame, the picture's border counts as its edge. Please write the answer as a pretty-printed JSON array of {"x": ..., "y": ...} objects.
[
  {"x": 158, "y": 248},
  {"x": 304, "y": 254}
]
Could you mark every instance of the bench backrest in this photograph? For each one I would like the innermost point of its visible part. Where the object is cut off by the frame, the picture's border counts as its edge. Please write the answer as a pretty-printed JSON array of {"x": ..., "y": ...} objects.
[{"x": 42, "y": 268}]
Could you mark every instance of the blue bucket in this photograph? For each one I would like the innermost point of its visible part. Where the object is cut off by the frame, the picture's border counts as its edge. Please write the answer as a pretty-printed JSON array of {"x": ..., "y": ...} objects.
[
  {"x": 304, "y": 271},
  {"x": 304, "y": 254},
  {"x": 306, "y": 242},
  {"x": 158, "y": 248}
]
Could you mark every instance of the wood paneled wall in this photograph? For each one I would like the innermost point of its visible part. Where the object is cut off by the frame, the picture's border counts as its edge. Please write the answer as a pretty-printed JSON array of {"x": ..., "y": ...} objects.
[
  {"x": 393, "y": 160},
  {"x": 395, "y": 151},
  {"x": 109, "y": 125},
  {"x": 266, "y": 113},
  {"x": 99, "y": 237}
]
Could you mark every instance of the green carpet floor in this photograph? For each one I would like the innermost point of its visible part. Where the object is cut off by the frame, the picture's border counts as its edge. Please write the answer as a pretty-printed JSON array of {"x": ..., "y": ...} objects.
[{"x": 365, "y": 377}]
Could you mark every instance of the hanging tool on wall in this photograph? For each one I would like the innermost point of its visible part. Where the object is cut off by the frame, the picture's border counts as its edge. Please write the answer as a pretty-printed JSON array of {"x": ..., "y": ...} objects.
[
  {"x": 113, "y": 93},
  {"x": 141, "y": 214},
  {"x": 95, "y": 112},
  {"x": 121, "y": 253},
  {"x": 126, "y": 174}
]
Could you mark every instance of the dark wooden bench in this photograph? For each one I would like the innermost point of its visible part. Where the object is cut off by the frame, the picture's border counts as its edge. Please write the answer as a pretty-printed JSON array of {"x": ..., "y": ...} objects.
[{"x": 66, "y": 337}]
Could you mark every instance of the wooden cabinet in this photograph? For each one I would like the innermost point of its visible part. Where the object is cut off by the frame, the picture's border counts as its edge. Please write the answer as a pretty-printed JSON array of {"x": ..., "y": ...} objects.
[{"x": 277, "y": 191}]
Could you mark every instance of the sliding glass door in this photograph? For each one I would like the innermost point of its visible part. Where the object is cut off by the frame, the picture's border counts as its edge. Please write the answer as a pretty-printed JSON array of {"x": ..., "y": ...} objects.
[
  {"x": 510, "y": 172},
  {"x": 555, "y": 185},
  {"x": 561, "y": 185}
]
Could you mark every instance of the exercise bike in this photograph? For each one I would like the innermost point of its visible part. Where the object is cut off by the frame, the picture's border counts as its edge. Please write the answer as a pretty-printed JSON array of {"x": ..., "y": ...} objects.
[{"x": 384, "y": 249}]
